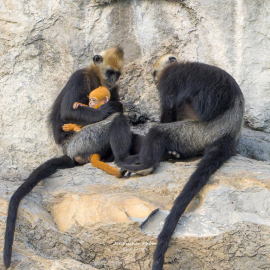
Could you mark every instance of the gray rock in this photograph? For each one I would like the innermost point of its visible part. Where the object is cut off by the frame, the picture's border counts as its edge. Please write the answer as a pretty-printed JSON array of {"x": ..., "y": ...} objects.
[
  {"x": 82, "y": 217},
  {"x": 254, "y": 144}
]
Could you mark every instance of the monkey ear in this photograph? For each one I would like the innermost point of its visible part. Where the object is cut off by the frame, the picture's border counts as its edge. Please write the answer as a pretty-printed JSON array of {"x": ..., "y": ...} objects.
[
  {"x": 172, "y": 59},
  {"x": 97, "y": 59},
  {"x": 106, "y": 99}
]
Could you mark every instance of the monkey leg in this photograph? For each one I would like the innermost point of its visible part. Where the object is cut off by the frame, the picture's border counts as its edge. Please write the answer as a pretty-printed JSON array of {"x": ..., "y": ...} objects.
[
  {"x": 71, "y": 127},
  {"x": 95, "y": 160},
  {"x": 120, "y": 138},
  {"x": 131, "y": 160},
  {"x": 153, "y": 148}
]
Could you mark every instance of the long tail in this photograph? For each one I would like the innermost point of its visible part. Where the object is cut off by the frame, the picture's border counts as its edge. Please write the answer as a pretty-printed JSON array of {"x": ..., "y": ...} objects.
[
  {"x": 43, "y": 171},
  {"x": 213, "y": 158},
  {"x": 95, "y": 161}
]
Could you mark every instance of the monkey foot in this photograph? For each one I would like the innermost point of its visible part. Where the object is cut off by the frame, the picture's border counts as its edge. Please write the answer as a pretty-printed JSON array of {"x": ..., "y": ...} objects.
[
  {"x": 141, "y": 172},
  {"x": 145, "y": 171},
  {"x": 81, "y": 160},
  {"x": 174, "y": 153},
  {"x": 123, "y": 172}
]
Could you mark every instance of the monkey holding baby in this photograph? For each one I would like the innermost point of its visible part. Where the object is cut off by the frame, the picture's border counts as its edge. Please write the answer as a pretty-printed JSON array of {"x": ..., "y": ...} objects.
[
  {"x": 106, "y": 131},
  {"x": 97, "y": 97}
]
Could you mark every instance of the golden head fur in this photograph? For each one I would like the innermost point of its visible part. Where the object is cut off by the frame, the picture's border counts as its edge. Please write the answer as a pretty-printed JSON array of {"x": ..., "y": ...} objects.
[
  {"x": 114, "y": 58},
  {"x": 163, "y": 62},
  {"x": 108, "y": 65},
  {"x": 100, "y": 93}
]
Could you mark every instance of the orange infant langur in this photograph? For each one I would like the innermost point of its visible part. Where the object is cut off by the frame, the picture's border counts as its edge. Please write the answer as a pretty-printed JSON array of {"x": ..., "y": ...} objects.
[{"x": 97, "y": 97}]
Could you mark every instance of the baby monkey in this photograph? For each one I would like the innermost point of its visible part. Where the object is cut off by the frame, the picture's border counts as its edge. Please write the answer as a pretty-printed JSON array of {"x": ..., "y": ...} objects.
[{"x": 97, "y": 97}]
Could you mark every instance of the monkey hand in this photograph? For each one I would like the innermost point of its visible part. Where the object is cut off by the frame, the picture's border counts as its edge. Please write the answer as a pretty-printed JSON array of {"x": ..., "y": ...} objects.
[
  {"x": 69, "y": 127},
  {"x": 77, "y": 104}
]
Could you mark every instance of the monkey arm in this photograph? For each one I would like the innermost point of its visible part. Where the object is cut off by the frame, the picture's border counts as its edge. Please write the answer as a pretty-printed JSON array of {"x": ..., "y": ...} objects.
[
  {"x": 85, "y": 115},
  {"x": 112, "y": 107},
  {"x": 77, "y": 104},
  {"x": 95, "y": 161}
]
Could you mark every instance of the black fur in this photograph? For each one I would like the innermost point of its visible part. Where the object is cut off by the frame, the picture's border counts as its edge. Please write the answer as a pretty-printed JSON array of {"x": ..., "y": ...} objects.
[
  {"x": 209, "y": 90},
  {"x": 42, "y": 172},
  {"x": 202, "y": 111}
]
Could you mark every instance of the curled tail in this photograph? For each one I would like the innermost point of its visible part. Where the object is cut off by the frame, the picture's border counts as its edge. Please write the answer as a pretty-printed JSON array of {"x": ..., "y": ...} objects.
[
  {"x": 214, "y": 157},
  {"x": 40, "y": 173}
]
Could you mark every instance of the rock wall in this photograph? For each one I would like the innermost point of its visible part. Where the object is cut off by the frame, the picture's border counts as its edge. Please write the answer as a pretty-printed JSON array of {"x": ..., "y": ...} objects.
[{"x": 43, "y": 42}]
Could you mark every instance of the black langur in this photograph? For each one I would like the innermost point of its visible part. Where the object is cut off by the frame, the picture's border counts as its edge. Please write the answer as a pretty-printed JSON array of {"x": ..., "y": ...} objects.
[
  {"x": 104, "y": 71},
  {"x": 104, "y": 137},
  {"x": 202, "y": 110}
]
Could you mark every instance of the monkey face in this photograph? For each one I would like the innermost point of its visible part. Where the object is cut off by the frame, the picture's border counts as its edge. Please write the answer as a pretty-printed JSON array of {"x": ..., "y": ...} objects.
[
  {"x": 161, "y": 64},
  {"x": 110, "y": 63},
  {"x": 111, "y": 76}
]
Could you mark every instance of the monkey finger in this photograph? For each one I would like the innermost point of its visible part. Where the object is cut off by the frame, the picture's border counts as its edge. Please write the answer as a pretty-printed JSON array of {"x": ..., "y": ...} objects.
[{"x": 65, "y": 128}]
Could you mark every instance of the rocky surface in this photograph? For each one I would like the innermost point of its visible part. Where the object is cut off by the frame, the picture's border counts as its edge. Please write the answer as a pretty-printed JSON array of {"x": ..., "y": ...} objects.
[
  {"x": 254, "y": 144},
  {"x": 43, "y": 42},
  {"x": 81, "y": 218}
]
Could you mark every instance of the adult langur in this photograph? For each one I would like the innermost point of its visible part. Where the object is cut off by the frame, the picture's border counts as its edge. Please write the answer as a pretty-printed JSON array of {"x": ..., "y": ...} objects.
[
  {"x": 202, "y": 110},
  {"x": 106, "y": 130}
]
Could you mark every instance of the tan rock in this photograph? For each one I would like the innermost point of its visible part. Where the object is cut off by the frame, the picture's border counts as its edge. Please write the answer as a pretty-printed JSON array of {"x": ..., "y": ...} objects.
[{"x": 104, "y": 208}]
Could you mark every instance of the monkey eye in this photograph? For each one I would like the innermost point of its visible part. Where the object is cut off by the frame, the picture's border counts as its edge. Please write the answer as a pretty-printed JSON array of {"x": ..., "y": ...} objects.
[
  {"x": 172, "y": 59},
  {"x": 154, "y": 73},
  {"x": 98, "y": 59}
]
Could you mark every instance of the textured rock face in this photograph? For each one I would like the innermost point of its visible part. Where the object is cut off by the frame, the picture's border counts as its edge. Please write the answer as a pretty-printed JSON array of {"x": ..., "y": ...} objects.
[
  {"x": 42, "y": 43},
  {"x": 82, "y": 218}
]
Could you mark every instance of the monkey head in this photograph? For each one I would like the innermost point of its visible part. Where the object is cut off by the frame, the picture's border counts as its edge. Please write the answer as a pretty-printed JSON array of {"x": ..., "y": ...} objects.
[
  {"x": 110, "y": 64},
  {"x": 161, "y": 64},
  {"x": 99, "y": 96}
]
